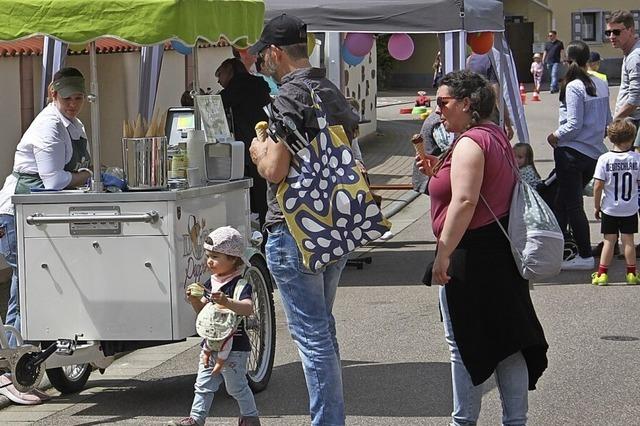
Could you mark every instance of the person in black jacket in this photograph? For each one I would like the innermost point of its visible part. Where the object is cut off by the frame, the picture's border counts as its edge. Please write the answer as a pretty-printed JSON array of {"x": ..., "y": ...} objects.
[{"x": 244, "y": 95}]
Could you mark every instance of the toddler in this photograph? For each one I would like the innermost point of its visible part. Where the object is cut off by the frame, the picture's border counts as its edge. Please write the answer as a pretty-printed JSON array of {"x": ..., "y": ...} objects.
[
  {"x": 615, "y": 194},
  {"x": 226, "y": 289},
  {"x": 536, "y": 71},
  {"x": 524, "y": 158}
]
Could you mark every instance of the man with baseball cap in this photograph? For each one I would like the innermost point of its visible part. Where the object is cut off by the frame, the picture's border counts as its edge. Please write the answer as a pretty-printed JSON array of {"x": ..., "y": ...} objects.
[{"x": 307, "y": 296}]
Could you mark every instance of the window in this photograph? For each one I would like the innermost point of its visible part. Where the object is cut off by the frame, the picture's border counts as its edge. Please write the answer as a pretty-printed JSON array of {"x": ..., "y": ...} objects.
[{"x": 589, "y": 26}]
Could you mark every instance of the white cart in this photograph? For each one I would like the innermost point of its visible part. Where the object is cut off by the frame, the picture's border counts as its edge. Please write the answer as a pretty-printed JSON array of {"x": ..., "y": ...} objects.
[{"x": 102, "y": 273}]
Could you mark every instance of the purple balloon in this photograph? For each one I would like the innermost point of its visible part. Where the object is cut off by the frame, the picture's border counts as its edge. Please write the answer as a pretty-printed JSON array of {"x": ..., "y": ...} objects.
[
  {"x": 400, "y": 46},
  {"x": 359, "y": 44}
]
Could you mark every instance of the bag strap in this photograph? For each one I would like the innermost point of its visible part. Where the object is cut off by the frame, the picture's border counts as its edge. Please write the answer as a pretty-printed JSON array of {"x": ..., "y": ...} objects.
[
  {"x": 518, "y": 181},
  {"x": 237, "y": 292}
]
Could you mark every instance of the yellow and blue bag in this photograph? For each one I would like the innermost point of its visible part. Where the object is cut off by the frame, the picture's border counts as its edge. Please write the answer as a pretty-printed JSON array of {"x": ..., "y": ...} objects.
[{"x": 326, "y": 201}]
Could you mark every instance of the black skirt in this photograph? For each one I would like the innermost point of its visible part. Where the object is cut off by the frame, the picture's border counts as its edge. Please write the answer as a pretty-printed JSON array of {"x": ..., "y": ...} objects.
[{"x": 490, "y": 306}]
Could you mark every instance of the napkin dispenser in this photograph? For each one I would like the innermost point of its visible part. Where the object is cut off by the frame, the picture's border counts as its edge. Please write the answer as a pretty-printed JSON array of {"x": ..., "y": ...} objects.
[{"x": 224, "y": 161}]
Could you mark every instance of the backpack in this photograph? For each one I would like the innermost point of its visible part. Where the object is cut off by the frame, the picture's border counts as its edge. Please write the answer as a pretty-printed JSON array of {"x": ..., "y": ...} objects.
[
  {"x": 536, "y": 240},
  {"x": 219, "y": 325}
]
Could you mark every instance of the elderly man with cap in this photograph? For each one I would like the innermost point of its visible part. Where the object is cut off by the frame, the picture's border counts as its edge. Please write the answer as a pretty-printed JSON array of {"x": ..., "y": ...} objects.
[
  {"x": 307, "y": 297},
  {"x": 52, "y": 154}
]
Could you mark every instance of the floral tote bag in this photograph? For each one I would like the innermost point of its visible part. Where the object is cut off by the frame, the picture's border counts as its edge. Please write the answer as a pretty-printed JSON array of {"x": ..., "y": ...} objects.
[{"x": 326, "y": 201}]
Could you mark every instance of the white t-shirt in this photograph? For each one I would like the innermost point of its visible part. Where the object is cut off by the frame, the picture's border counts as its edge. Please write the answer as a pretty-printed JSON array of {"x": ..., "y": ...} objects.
[{"x": 620, "y": 172}]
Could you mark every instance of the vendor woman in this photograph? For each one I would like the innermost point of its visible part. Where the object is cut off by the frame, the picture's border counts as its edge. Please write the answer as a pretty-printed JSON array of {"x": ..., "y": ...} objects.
[{"x": 52, "y": 154}]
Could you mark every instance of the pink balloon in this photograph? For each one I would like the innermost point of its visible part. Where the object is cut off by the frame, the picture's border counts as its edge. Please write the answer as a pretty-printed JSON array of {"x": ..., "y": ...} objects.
[
  {"x": 400, "y": 46},
  {"x": 359, "y": 44}
]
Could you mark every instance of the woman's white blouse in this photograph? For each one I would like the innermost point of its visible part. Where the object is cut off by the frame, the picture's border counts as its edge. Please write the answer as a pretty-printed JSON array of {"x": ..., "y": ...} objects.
[{"x": 45, "y": 148}]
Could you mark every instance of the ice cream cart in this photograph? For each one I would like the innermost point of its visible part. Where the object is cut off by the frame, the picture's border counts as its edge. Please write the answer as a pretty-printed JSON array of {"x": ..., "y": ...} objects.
[{"x": 103, "y": 273}]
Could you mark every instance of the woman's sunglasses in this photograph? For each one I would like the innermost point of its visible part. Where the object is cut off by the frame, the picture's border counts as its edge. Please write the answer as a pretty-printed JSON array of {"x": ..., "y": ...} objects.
[
  {"x": 614, "y": 32},
  {"x": 441, "y": 100}
]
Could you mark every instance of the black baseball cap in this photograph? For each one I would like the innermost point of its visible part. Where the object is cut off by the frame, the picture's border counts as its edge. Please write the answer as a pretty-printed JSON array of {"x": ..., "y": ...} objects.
[
  {"x": 283, "y": 30},
  {"x": 594, "y": 57}
]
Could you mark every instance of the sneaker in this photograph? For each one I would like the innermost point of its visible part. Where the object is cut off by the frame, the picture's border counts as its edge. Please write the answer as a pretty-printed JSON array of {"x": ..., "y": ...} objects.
[
  {"x": 14, "y": 395},
  {"x": 578, "y": 263},
  {"x": 187, "y": 421},
  {"x": 633, "y": 279},
  {"x": 602, "y": 279}
]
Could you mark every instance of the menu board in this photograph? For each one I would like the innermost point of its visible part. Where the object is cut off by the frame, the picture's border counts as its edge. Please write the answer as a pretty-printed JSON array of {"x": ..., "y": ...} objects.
[{"x": 214, "y": 119}]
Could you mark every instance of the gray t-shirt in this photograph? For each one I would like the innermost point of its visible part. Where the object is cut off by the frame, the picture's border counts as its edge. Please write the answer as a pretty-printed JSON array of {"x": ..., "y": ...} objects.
[
  {"x": 294, "y": 100},
  {"x": 630, "y": 81}
]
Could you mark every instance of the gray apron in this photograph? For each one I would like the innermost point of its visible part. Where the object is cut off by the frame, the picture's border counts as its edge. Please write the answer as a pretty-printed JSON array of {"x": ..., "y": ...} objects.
[{"x": 79, "y": 158}]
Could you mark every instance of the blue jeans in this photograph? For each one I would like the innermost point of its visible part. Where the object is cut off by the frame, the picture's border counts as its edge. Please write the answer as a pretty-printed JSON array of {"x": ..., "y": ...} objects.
[
  {"x": 234, "y": 373},
  {"x": 553, "y": 70},
  {"x": 511, "y": 376},
  {"x": 307, "y": 299},
  {"x": 574, "y": 171},
  {"x": 9, "y": 250}
]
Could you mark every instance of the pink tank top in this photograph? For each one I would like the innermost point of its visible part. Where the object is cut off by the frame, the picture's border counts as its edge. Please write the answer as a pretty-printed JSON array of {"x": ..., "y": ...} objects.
[{"x": 497, "y": 183}]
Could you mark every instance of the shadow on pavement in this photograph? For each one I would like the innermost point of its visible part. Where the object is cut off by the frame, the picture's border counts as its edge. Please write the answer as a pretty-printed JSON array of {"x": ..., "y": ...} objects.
[
  {"x": 410, "y": 264},
  {"x": 412, "y": 389}
]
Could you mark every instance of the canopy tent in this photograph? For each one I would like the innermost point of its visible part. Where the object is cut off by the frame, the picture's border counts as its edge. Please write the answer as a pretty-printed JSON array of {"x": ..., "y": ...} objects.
[
  {"x": 391, "y": 16},
  {"x": 141, "y": 22},
  {"x": 452, "y": 17}
]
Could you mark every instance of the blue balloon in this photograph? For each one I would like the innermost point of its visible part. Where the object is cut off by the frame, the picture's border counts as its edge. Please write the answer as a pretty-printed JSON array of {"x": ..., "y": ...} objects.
[
  {"x": 180, "y": 48},
  {"x": 349, "y": 58}
]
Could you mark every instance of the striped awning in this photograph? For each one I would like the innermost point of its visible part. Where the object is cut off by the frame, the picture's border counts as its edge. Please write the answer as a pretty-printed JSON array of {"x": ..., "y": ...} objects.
[{"x": 33, "y": 46}]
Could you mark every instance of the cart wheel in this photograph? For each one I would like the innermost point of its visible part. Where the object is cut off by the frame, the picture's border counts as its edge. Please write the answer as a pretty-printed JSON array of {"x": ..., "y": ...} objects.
[
  {"x": 69, "y": 379},
  {"x": 260, "y": 326}
]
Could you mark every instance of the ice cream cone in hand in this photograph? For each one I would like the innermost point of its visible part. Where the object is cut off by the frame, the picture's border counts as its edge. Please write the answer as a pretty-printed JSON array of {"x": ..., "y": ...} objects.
[{"x": 426, "y": 161}]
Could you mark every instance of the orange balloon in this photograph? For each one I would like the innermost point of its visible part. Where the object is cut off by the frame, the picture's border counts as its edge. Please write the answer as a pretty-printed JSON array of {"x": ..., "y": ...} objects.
[{"x": 480, "y": 43}]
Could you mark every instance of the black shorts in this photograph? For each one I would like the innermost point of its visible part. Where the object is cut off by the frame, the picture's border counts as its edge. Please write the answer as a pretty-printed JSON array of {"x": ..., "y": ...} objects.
[{"x": 615, "y": 224}]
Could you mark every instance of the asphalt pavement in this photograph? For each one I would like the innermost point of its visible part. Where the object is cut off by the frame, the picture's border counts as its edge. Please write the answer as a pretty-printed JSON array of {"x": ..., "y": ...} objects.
[{"x": 395, "y": 360}]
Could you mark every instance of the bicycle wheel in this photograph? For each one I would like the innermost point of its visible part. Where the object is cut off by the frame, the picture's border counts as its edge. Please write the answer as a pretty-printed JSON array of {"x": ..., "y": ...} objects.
[{"x": 260, "y": 326}]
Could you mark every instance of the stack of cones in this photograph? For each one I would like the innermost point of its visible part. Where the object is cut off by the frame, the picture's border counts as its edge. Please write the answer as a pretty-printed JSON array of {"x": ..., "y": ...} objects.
[{"x": 523, "y": 94}]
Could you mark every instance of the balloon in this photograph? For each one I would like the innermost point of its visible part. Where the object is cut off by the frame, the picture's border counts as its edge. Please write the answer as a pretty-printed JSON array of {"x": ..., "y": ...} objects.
[
  {"x": 400, "y": 46},
  {"x": 349, "y": 58},
  {"x": 480, "y": 43},
  {"x": 180, "y": 48},
  {"x": 311, "y": 43},
  {"x": 359, "y": 44}
]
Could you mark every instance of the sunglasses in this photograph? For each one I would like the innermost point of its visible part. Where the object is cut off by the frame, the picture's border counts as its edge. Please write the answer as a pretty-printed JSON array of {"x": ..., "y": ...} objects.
[
  {"x": 614, "y": 32},
  {"x": 263, "y": 52},
  {"x": 440, "y": 100}
]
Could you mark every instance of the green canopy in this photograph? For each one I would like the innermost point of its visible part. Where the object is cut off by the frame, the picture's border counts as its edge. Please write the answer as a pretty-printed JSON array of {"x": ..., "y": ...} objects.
[{"x": 141, "y": 22}]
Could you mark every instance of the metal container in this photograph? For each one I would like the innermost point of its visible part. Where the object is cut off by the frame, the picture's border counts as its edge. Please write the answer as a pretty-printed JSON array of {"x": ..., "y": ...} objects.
[{"x": 144, "y": 161}]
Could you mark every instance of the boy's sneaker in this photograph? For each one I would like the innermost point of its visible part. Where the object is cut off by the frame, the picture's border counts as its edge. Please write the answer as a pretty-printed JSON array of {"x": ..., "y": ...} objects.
[
  {"x": 578, "y": 263},
  {"x": 602, "y": 279},
  {"x": 187, "y": 421},
  {"x": 633, "y": 279}
]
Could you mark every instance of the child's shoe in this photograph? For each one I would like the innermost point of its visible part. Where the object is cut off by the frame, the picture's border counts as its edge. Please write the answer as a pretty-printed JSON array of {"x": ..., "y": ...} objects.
[
  {"x": 602, "y": 279},
  {"x": 633, "y": 279}
]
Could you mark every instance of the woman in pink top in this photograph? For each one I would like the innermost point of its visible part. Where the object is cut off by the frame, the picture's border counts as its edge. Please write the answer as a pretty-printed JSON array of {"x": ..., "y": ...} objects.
[{"x": 489, "y": 320}]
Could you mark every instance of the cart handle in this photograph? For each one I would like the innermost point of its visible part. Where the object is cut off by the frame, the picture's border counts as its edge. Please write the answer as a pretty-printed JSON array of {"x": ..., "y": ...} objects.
[{"x": 39, "y": 218}]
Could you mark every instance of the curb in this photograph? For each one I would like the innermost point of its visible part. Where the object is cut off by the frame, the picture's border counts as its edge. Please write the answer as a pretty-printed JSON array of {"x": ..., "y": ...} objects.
[{"x": 397, "y": 205}]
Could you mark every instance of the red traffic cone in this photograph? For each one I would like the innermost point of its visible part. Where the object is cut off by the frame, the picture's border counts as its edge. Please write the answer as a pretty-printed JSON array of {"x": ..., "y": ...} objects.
[
  {"x": 536, "y": 97},
  {"x": 522, "y": 90},
  {"x": 523, "y": 98}
]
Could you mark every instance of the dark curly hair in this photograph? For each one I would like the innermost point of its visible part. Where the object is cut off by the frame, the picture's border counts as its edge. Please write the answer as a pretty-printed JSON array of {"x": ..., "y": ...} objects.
[{"x": 467, "y": 84}]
